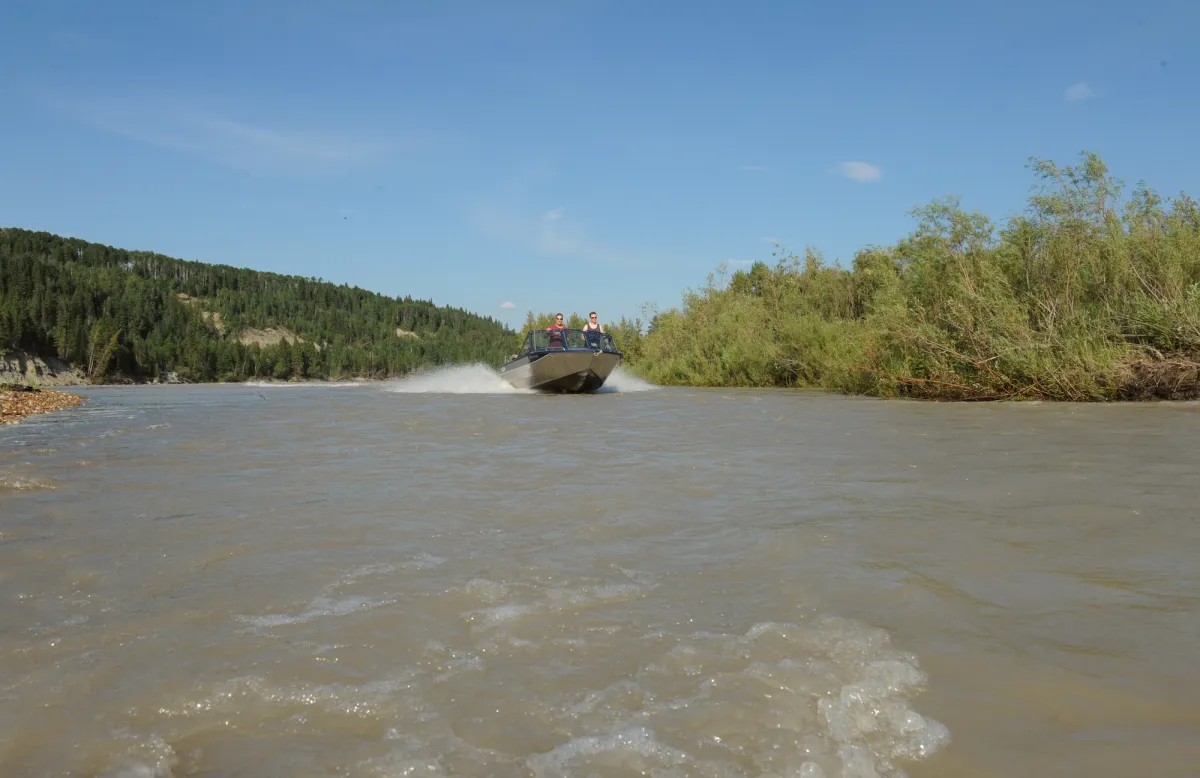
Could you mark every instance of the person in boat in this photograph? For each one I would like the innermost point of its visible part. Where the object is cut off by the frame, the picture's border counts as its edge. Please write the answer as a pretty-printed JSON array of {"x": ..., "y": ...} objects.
[
  {"x": 590, "y": 329},
  {"x": 592, "y": 324},
  {"x": 557, "y": 332}
]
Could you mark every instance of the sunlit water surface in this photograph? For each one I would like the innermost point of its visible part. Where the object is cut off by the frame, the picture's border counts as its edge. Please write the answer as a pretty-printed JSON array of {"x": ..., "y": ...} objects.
[{"x": 442, "y": 577}]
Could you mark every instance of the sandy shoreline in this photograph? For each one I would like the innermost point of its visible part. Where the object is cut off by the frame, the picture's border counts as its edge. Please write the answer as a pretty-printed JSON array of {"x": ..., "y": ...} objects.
[{"x": 17, "y": 402}]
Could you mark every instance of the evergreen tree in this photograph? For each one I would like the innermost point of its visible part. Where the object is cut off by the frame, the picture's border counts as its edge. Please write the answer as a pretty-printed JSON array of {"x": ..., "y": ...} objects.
[{"x": 65, "y": 297}]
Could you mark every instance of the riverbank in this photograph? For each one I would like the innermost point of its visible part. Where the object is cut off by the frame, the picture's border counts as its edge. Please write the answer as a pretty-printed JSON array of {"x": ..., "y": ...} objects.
[
  {"x": 22, "y": 368},
  {"x": 1083, "y": 297},
  {"x": 19, "y": 401}
]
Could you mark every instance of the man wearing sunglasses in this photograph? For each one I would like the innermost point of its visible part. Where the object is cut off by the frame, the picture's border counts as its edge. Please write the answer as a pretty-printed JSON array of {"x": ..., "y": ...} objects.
[
  {"x": 590, "y": 329},
  {"x": 592, "y": 325}
]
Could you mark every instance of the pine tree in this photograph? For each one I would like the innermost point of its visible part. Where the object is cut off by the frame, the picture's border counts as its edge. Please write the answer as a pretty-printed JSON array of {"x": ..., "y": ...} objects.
[
  {"x": 7, "y": 341},
  {"x": 55, "y": 291}
]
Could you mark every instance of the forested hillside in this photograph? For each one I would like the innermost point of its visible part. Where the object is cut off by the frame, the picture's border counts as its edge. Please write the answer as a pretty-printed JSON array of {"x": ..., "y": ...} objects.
[{"x": 142, "y": 315}]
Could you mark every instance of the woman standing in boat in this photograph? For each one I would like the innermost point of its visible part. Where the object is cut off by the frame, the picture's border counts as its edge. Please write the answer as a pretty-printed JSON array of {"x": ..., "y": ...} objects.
[{"x": 556, "y": 332}]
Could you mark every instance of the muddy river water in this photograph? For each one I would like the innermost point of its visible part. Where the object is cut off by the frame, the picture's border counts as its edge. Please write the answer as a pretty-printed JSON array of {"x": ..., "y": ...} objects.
[{"x": 441, "y": 578}]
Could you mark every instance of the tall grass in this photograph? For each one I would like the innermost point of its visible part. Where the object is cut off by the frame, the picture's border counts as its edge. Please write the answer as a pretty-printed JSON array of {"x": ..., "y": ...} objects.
[{"x": 1085, "y": 296}]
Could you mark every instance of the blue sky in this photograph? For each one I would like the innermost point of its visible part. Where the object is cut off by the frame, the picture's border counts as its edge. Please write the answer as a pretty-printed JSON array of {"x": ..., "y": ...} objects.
[{"x": 566, "y": 155}]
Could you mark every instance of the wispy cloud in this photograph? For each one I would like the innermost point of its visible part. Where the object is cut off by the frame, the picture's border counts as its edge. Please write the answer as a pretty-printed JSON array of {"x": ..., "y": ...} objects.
[
  {"x": 73, "y": 40},
  {"x": 186, "y": 127},
  {"x": 1080, "y": 91},
  {"x": 862, "y": 172},
  {"x": 551, "y": 233},
  {"x": 741, "y": 261},
  {"x": 508, "y": 306},
  {"x": 753, "y": 168},
  {"x": 769, "y": 239}
]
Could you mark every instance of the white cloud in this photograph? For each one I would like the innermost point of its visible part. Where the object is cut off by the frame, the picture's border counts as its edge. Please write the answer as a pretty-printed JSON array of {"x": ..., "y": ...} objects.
[
  {"x": 508, "y": 306},
  {"x": 553, "y": 215},
  {"x": 182, "y": 126},
  {"x": 741, "y": 261},
  {"x": 1080, "y": 91},
  {"x": 769, "y": 239},
  {"x": 752, "y": 168},
  {"x": 860, "y": 171}
]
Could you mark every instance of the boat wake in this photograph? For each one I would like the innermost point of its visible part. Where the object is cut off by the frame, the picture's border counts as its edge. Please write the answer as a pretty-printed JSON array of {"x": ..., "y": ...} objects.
[
  {"x": 623, "y": 383},
  {"x": 460, "y": 379},
  {"x": 481, "y": 379}
]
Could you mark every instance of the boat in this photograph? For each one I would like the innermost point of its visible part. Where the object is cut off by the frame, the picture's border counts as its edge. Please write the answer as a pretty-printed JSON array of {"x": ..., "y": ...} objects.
[{"x": 570, "y": 361}]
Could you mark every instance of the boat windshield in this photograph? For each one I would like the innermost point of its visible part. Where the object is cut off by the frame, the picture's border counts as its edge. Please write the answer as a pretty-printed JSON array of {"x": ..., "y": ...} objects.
[{"x": 559, "y": 340}]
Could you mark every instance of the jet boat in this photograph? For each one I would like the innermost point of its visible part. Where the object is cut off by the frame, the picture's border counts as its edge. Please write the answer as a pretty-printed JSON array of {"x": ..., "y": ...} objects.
[{"x": 562, "y": 361}]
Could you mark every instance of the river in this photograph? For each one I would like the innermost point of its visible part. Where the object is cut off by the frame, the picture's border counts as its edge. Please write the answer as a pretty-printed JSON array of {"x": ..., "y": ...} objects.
[{"x": 439, "y": 577}]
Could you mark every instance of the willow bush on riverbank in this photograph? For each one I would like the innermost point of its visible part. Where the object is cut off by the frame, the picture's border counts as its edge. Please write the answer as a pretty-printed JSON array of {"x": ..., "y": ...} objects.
[{"x": 1085, "y": 296}]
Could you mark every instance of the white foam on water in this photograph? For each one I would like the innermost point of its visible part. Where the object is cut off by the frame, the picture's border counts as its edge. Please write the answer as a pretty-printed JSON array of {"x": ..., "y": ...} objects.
[
  {"x": 365, "y": 571},
  {"x": 498, "y": 614},
  {"x": 235, "y": 699},
  {"x": 320, "y": 607},
  {"x": 481, "y": 379},
  {"x": 402, "y": 766},
  {"x": 24, "y": 484},
  {"x": 623, "y": 382},
  {"x": 553, "y": 600},
  {"x": 151, "y": 757},
  {"x": 814, "y": 696},
  {"x": 424, "y": 561},
  {"x": 460, "y": 379},
  {"x": 488, "y": 591},
  {"x": 329, "y": 603},
  {"x": 634, "y": 749},
  {"x": 826, "y": 698},
  {"x": 822, "y": 697}
]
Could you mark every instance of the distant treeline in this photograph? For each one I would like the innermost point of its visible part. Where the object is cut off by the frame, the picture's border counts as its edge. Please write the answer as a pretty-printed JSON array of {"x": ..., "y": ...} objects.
[
  {"x": 141, "y": 315},
  {"x": 1084, "y": 296}
]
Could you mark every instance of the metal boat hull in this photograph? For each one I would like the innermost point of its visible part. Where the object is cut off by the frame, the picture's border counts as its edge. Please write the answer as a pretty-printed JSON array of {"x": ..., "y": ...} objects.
[{"x": 563, "y": 371}]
